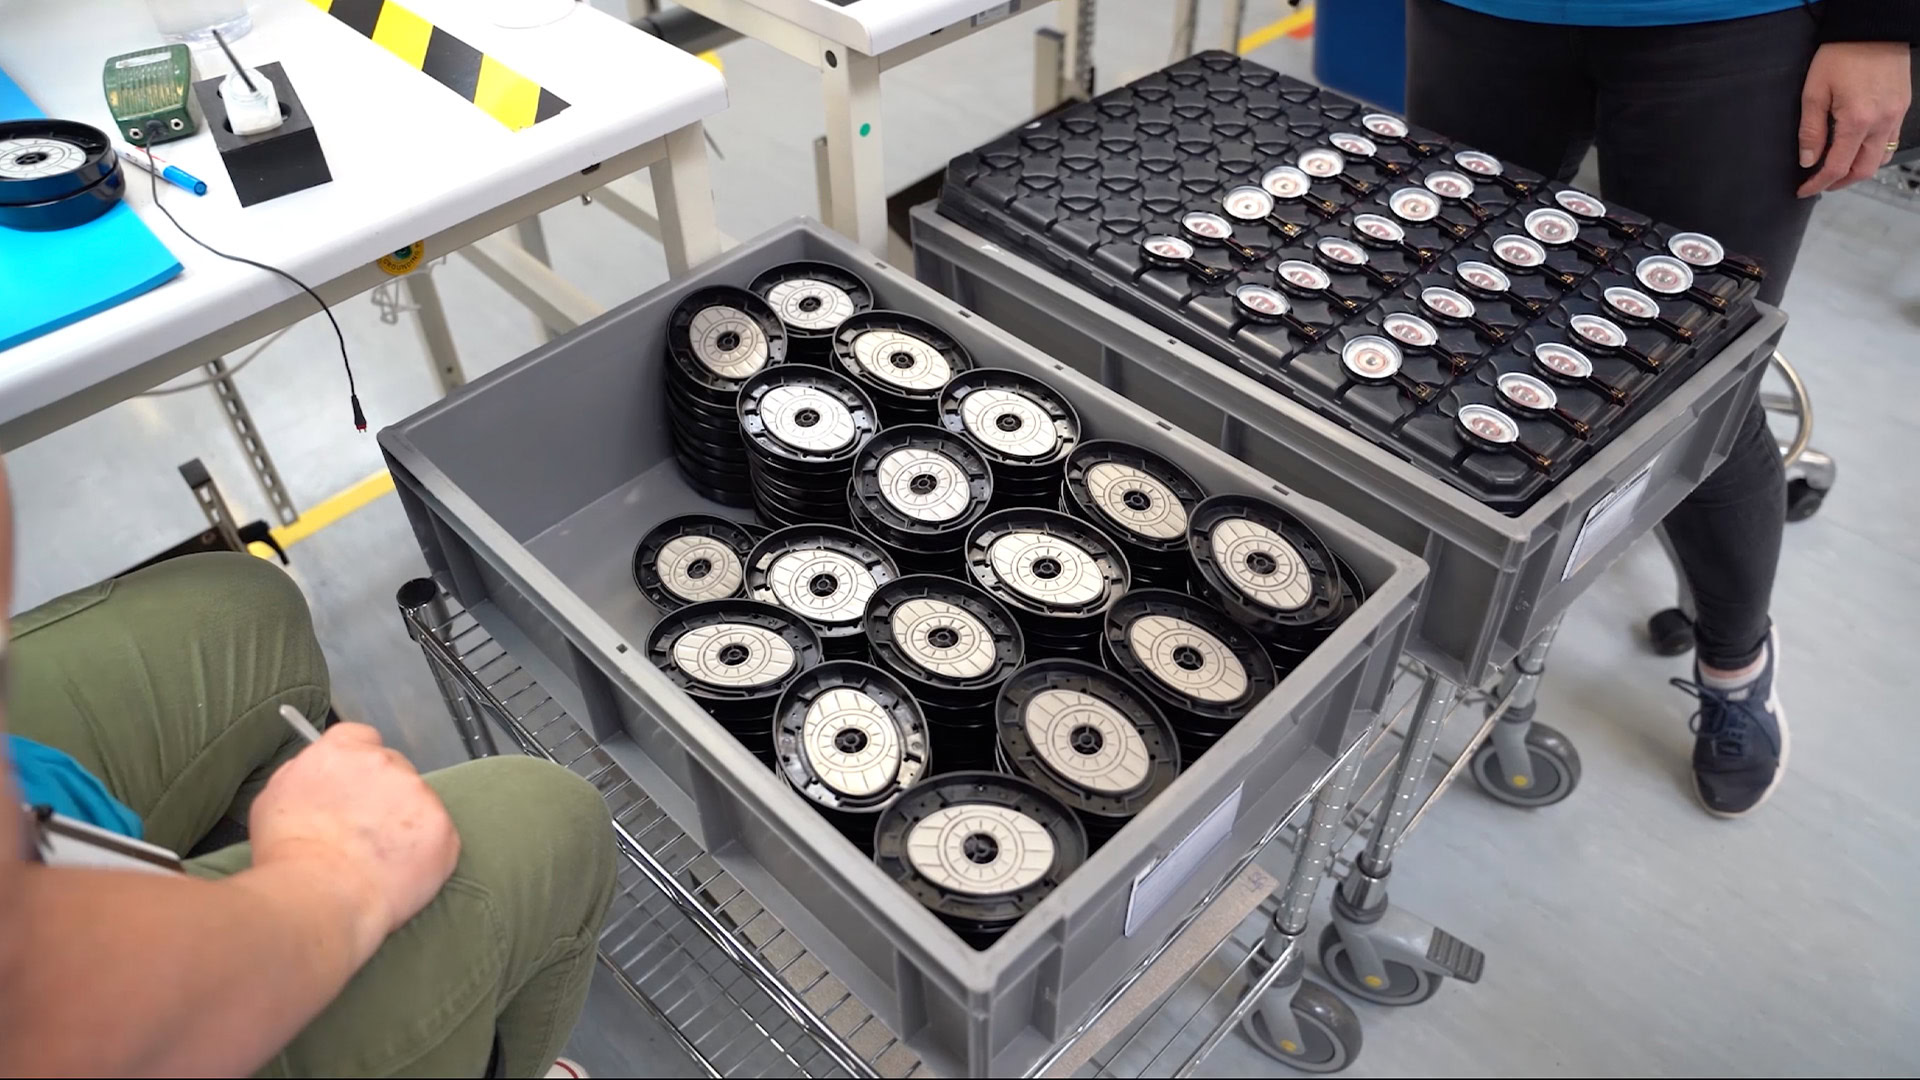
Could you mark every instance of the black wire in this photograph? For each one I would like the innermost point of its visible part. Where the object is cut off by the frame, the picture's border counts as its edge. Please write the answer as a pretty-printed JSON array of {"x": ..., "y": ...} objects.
[{"x": 153, "y": 180}]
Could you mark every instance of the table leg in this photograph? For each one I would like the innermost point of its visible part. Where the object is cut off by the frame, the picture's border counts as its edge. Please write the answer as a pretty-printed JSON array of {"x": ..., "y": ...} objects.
[
  {"x": 533, "y": 237},
  {"x": 855, "y": 166},
  {"x": 683, "y": 195},
  {"x": 424, "y": 295}
]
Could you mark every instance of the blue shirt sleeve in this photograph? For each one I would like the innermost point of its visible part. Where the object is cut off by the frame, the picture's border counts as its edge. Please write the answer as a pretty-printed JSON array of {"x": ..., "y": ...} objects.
[{"x": 49, "y": 777}]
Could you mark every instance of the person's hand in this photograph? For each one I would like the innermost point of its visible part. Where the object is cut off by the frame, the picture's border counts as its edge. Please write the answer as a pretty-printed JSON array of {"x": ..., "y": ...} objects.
[
  {"x": 1857, "y": 92},
  {"x": 357, "y": 812}
]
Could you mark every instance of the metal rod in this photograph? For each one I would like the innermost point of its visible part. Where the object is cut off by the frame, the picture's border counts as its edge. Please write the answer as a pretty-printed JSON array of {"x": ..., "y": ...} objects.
[{"x": 1434, "y": 705}]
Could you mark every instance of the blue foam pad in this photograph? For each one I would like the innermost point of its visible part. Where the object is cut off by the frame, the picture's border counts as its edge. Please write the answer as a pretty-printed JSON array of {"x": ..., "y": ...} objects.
[{"x": 50, "y": 279}]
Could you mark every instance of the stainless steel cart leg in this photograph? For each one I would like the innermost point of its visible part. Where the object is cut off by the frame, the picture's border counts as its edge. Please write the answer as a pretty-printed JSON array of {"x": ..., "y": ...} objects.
[
  {"x": 1524, "y": 762},
  {"x": 424, "y": 611},
  {"x": 1299, "y": 1022},
  {"x": 1372, "y": 950}
]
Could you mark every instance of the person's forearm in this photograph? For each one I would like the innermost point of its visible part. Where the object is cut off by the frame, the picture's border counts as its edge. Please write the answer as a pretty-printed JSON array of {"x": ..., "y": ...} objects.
[{"x": 129, "y": 973}]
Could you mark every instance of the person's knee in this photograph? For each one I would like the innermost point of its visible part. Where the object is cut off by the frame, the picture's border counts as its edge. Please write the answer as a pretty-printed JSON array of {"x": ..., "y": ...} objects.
[
  {"x": 534, "y": 835},
  {"x": 229, "y": 596}
]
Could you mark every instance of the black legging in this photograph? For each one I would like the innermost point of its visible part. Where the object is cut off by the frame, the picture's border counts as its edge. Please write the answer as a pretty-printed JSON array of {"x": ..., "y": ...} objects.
[{"x": 1695, "y": 125}]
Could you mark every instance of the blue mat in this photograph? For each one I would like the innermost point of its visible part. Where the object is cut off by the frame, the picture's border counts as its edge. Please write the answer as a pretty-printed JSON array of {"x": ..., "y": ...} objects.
[{"x": 50, "y": 279}]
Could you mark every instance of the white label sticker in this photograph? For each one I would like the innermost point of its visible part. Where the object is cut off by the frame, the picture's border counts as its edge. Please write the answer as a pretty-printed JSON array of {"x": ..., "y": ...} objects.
[
  {"x": 1607, "y": 520},
  {"x": 1155, "y": 885}
]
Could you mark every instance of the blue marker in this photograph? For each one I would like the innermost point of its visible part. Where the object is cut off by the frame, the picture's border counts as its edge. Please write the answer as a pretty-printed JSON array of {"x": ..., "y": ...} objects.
[{"x": 172, "y": 174}]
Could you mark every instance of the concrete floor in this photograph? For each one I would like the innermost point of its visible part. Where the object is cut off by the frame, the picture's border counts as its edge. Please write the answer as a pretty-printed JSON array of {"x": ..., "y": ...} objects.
[{"x": 1626, "y": 932}]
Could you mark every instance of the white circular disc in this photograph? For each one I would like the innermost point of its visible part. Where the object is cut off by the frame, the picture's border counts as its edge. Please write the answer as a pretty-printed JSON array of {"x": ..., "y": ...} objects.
[
  {"x": 1581, "y": 203},
  {"x": 1341, "y": 250},
  {"x": 1664, "y": 274},
  {"x": 1550, "y": 226},
  {"x": 727, "y": 341},
  {"x": 860, "y": 773},
  {"x": 1516, "y": 250},
  {"x": 1354, "y": 144},
  {"x": 1527, "y": 392},
  {"x": 1285, "y": 182},
  {"x": 1323, "y": 162},
  {"x": 1187, "y": 659},
  {"x": 1485, "y": 276},
  {"x": 1600, "y": 330},
  {"x": 1261, "y": 564},
  {"x": 1447, "y": 302},
  {"x": 1271, "y": 302},
  {"x": 680, "y": 556},
  {"x": 901, "y": 360},
  {"x": 1476, "y": 162},
  {"x": 1371, "y": 357},
  {"x": 1247, "y": 203},
  {"x": 1023, "y": 849},
  {"x": 738, "y": 656},
  {"x": 1410, "y": 330},
  {"x": 1632, "y": 302},
  {"x": 1010, "y": 422},
  {"x": 1136, "y": 500},
  {"x": 942, "y": 638},
  {"x": 1489, "y": 423},
  {"x": 38, "y": 157},
  {"x": 1119, "y": 764},
  {"x": 1564, "y": 359},
  {"x": 1168, "y": 247},
  {"x": 1698, "y": 249},
  {"x": 1391, "y": 127},
  {"x": 807, "y": 418},
  {"x": 830, "y": 305},
  {"x": 1075, "y": 575},
  {"x": 1380, "y": 228},
  {"x": 843, "y": 585},
  {"x": 1211, "y": 226},
  {"x": 1414, "y": 204},
  {"x": 1450, "y": 185},
  {"x": 923, "y": 484},
  {"x": 1303, "y": 275}
]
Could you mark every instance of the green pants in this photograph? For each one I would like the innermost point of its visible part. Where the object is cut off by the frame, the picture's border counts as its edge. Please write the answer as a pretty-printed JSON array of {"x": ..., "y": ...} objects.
[{"x": 166, "y": 684}]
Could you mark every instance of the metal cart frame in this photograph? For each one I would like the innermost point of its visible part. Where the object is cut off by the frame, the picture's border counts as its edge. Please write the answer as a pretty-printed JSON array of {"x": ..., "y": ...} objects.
[{"x": 741, "y": 995}]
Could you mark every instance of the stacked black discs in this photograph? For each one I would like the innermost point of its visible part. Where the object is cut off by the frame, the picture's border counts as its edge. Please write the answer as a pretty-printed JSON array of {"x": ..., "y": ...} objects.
[
  {"x": 917, "y": 489},
  {"x": 1140, "y": 499},
  {"x": 824, "y": 573},
  {"x": 803, "y": 425},
  {"x": 953, "y": 646},
  {"x": 902, "y": 361},
  {"x": 1023, "y": 427},
  {"x": 850, "y": 739},
  {"x": 979, "y": 849},
  {"x": 1058, "y": 574},
  {"x": 691, "y": 558},
  {"x": 1205, "y": 670},
  {"x": 1270, "y": 572},
  {"x": 735, "y": 658},
  {"x": 718, "y": 338},
  {"x": 812, "y": 299},
  {"x": 1088, "y": 738}
]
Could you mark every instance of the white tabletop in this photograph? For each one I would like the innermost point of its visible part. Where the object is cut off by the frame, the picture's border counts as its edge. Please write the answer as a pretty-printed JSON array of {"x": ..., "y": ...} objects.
[
  {"x": 876, "y": 26},
  {"x": 409, "y": 158}
]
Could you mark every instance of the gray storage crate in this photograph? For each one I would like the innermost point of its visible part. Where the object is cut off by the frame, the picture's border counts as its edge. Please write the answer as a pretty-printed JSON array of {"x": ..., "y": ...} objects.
[
  {"x": 1496, "y": 580},
  {"x": 528, "y": 490}
]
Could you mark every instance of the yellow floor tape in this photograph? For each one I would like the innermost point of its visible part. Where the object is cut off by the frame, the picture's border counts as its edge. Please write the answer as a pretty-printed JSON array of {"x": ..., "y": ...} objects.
[
  {"x": 1298, "y": 24},
  {"x": 327, "y": 511}
]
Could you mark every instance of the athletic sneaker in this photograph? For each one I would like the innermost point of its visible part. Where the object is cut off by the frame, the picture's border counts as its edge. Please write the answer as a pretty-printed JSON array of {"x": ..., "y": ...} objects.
[
  {"x": 1740, "y": 739},
  {"x": 567, "y": 1069}
]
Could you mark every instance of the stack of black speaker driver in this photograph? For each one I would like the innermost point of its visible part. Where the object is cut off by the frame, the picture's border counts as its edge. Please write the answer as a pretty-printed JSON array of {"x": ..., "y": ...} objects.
[
  {"x": 1205, "y": 670},
  {"x": 902, "y": 361},
  {"x": 1089, "y": 739},
  {"x": 735, "y": 658},
  {"x": 693, "y": 557},
  {"x": 917, "y": 489},
  {"x": 979, "y": 849},
  {"x": 1140, "y": 499},
  {"x": 812, "y": 299},
  {"x": 1271, "y": 573},
  {"x": 849, "y": 738},
  {"x": 952, "y": 646},
  {"x": 1023, "y": 427},
  {"x": 717, "y": 339},
  {"x": 1059, "y": 574},
  {"x": 803, "y": 427},
  {"x": 825, "y": 574}
]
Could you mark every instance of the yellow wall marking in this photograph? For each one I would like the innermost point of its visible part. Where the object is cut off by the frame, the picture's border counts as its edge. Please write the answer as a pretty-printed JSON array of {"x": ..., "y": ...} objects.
[{"x": 1298, "y": 24}]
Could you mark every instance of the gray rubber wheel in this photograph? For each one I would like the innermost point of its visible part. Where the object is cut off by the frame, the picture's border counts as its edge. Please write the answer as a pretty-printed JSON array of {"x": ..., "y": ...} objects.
[
  {"x": 1556, "y": 770},
  {"x": 1328, "y": 1025},
  {"x": 1405, "y": 984}
]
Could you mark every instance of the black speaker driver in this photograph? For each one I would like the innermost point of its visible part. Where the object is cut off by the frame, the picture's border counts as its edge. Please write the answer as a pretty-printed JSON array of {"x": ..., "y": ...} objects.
[
  {"x": 850, "y": 739},
  {"x": 902, "y": 361},
  {"x": 691, "y": 558},
  {"x": 1268, "y": 569},
  {"x": 1205, "y": 670},
  {"x": 811, "y": 300},
  {"x": 824, "y": 573}
]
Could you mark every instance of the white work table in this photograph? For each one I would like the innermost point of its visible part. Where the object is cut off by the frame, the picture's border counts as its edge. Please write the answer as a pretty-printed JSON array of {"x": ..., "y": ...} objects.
[
  {"x": 851, "y": 44},
  {"x": 410, "y": 159}
]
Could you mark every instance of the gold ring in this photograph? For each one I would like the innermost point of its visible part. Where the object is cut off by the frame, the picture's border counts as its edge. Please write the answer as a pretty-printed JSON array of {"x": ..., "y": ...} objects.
[{"x": 1893, "y": 148}]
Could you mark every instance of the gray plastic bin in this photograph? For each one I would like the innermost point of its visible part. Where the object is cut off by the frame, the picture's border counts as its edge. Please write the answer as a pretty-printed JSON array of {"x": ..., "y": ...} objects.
[
  {"x": 1496, "y": 580},
  {"x": 528, "y": 490}
]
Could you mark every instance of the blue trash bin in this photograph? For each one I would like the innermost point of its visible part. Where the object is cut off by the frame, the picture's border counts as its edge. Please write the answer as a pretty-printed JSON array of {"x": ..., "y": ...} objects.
[{"x": 1360, "y": 49}]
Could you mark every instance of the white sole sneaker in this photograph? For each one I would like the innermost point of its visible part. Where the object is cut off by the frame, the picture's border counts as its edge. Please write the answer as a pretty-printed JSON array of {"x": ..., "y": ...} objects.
[{"x": 1786, "y": 741}]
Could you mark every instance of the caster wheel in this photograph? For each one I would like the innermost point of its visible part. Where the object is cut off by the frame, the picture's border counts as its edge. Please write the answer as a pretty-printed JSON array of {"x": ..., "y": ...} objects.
[
  {"x": 1803, "y": 499},
  {"x": 1404, "y": 984},
  {"x": 1671, "y": 632},
  {"x": 1556, "y": 770},
  {"x": 1328, "y": 1025}
]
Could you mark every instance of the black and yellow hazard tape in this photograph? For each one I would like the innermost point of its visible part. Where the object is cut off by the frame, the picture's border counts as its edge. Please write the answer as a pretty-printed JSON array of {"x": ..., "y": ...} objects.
[{"x": 501, "y": 92}]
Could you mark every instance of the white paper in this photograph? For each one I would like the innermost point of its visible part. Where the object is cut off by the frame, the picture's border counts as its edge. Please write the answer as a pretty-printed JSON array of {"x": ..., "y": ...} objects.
[
  {"x": 1155, "y": 885},
  {"x": 1607, "y": 520}
]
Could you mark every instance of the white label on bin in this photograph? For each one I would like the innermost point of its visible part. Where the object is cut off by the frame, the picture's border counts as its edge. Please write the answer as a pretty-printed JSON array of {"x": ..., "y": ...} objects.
[
  {"x": 1155, "y": 885},
  {"x": 1607, "y": 520}
]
